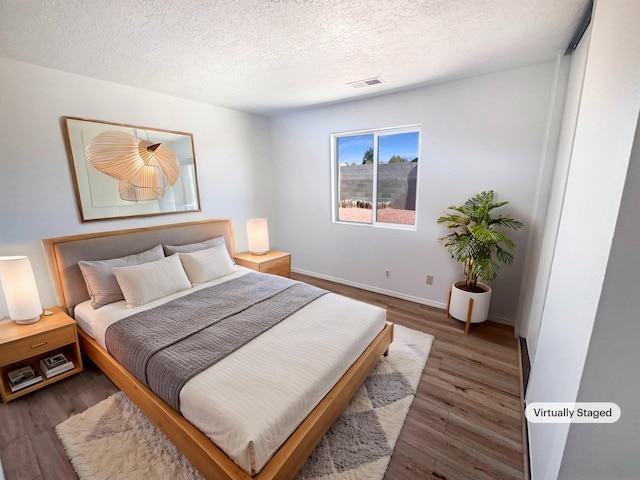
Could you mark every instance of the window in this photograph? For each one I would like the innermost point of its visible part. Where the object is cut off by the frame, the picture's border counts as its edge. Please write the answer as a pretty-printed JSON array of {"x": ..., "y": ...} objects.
[{"x": 375, "y": 176}]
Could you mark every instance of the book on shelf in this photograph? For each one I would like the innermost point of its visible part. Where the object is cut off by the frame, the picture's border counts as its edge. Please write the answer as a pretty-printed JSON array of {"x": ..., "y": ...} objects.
[
  {"x": 55, "y": 360},
  {"x": 23, "y": 377},
  {"x": 55, "y": 365}
]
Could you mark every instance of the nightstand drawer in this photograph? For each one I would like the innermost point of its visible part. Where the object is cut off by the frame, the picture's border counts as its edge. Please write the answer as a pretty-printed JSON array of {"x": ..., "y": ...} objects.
[
  {"x": 37, "y": 344},
  {"x": 279, "y": 266}
]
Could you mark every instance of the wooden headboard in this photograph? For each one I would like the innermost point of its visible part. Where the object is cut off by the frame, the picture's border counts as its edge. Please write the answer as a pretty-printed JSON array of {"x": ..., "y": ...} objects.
[{"x": 64, "y": 253}]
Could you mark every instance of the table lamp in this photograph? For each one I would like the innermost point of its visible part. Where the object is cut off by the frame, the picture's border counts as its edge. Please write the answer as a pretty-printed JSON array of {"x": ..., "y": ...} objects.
[
  {"x": 258, "y": 235},
  {"x": 20, "y": 289}
]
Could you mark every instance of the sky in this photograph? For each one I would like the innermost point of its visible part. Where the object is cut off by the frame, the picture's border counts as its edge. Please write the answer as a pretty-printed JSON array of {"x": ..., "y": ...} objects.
[{"x": 351, "y": 149}]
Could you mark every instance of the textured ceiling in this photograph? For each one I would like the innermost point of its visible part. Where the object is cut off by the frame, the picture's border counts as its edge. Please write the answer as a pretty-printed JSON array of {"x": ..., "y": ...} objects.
[{"x": 275, "y": 56}]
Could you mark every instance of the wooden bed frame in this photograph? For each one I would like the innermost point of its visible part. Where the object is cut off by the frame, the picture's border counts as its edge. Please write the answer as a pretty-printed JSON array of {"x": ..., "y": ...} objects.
[{"x": 196, "y": 446}]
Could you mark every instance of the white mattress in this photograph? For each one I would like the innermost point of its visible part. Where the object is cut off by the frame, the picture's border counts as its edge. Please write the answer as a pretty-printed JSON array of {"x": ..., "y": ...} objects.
[{"x": 251, "y": 401}]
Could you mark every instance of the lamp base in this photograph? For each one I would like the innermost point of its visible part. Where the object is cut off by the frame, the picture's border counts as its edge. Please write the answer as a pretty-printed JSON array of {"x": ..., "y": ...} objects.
[
  {"x": 27, "y": 321},
  {"x": 259, "y": 253}
]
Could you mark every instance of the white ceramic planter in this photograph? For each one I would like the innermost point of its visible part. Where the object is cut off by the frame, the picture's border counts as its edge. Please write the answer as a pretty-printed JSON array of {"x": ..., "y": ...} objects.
[{"x": 459, "y": 303}]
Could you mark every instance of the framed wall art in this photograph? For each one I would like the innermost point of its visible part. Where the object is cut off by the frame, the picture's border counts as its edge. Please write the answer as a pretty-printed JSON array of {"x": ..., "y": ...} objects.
[{"x": 130, "y": 171}]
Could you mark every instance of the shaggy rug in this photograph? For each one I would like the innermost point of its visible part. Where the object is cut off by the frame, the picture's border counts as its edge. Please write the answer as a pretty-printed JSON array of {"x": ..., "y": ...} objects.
[{"x": 114, "y": 440}]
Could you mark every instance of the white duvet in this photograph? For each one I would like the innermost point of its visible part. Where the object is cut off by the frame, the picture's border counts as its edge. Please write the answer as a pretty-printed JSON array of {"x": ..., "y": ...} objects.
[{"x": 251, "y": 401}]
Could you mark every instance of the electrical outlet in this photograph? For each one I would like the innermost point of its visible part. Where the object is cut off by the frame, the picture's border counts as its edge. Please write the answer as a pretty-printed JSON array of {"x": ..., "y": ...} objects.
[
  {"x": 387, "y": 273},
  {"x": 429, "y": 279}
]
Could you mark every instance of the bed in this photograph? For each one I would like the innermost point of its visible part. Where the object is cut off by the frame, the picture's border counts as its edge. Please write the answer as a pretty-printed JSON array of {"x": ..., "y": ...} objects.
[{"x": 203, "y": 416}]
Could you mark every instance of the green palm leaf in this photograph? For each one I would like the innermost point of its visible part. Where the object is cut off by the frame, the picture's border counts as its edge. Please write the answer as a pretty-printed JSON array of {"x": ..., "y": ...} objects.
[{"x": 476, "y": 240}]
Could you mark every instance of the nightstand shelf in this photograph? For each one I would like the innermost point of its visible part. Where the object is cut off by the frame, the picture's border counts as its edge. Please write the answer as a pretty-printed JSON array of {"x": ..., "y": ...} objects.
[
  {"x": 22, "y": 345},
  {"x": 274, "y": 262}
]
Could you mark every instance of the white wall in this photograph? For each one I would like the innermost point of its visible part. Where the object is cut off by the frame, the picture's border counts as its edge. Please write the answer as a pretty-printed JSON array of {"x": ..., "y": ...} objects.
[
  {"x": 604, "y": 134},
  {"x": 543, "y": 240},
  {"x": 486, "y": 132},
  {"x": 611, "y": 370},
  {"x": 37, "y": 197}
]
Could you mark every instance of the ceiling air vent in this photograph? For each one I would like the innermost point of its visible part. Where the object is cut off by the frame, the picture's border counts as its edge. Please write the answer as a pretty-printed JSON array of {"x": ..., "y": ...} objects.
[{"x": 365, "y": 83}]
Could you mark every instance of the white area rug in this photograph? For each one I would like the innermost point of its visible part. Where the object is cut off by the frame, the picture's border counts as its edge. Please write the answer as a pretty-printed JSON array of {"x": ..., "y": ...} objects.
[{"x": 114, "y": 440}]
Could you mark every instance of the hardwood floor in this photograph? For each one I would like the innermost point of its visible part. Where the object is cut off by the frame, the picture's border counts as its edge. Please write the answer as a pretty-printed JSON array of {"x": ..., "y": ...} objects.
[
  {"x": 29, "y": 446},
  {"x": 466, "y": 419},
  {"x": 465, "y": 422}
]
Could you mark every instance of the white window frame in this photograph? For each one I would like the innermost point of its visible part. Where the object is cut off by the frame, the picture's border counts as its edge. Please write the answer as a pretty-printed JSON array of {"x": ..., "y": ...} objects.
[{"x": 335, "y": 175}]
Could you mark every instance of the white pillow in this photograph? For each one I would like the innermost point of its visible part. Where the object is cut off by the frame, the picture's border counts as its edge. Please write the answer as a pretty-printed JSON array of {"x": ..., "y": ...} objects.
[
  {"x": 205, "y": 265},
  {"x": 143, "y": 283}
]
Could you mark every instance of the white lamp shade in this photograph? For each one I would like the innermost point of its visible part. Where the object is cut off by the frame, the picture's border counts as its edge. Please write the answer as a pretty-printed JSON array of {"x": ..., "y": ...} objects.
[
  {"x": 20, "y": 289},
  {"x": 258, "y": 235}
]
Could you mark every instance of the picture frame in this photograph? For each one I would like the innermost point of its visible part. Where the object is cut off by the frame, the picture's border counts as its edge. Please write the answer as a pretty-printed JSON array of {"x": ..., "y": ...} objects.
[{"x": 101, "y": 196}]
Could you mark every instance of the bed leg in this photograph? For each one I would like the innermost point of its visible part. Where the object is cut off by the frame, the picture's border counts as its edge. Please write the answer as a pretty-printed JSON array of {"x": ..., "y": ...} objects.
[{"x": 386, "y": 353}]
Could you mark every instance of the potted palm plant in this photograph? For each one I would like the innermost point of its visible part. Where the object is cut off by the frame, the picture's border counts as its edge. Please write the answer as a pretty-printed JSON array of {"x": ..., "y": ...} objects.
[{"x": 476, "y": 241}]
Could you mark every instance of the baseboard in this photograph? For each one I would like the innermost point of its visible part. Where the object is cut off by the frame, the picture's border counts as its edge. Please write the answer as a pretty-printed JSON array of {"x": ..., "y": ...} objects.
[
  {"x": 370, "y": 288},
  {"x": 502, "y": 320},
  {"x": 391, "y": 293}
]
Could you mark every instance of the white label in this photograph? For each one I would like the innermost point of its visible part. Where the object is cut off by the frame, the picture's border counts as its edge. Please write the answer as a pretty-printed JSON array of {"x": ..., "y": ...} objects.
[{"x": 566, "y": 412}]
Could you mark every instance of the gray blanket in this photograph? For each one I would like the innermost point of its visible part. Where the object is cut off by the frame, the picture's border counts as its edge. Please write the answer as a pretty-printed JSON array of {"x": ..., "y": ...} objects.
[{"x": 166, "y": 346}]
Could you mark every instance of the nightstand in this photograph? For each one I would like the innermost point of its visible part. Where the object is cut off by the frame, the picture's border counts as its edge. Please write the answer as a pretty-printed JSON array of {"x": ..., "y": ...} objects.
[
  {"x": 274, "y": 262},
  {"x": 22, "y": 345}
]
